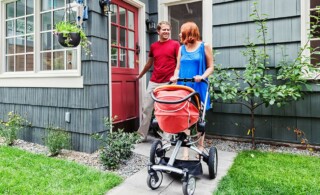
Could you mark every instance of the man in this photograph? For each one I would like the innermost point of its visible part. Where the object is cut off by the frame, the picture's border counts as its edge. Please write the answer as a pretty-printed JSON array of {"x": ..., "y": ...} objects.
[{"x": 163, "y": 55}]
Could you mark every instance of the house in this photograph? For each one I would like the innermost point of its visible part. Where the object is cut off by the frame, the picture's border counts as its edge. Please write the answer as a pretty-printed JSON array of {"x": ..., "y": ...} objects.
[{"x": 66, "y": 88}]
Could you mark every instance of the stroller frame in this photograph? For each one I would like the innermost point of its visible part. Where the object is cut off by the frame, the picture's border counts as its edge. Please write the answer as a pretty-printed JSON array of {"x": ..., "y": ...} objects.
[{"x": 159, "y": 163}]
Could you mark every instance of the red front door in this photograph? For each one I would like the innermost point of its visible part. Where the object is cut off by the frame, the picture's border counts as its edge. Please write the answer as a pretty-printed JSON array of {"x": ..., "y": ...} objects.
[{"x": 124, "y": 55}]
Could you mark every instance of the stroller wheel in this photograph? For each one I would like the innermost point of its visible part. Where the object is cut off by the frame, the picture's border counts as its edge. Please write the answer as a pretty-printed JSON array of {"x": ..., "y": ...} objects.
[
  {"x": 156, "y": 152},
  {"x": 154, "y": 179},
  {"x": 188, "y": 187},
  {"x": 213, "y": 162}
]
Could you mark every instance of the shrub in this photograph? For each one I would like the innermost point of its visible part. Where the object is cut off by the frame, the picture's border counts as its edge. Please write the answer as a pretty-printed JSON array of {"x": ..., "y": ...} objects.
[
  {"x": 10, "y": 129},
  {"x": 116, "y": 145},
  {"x": 56, "y": 140}
]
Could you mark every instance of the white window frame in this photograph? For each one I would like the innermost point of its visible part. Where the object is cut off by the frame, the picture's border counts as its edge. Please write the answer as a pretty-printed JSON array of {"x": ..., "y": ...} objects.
[
  {"x": 305, "y": 26},
  {"x": 206, "y": 15},
  {"x": 36, "y": 78}
]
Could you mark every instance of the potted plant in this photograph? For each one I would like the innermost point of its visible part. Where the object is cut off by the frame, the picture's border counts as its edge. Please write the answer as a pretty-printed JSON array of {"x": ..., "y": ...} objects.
[{"x": 71, "y": 35}]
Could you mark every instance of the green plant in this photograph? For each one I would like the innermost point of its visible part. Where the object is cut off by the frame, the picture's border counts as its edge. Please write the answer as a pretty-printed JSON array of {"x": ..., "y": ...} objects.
[
  {"x": 116, "y": 145},
  {"x": 257, "y": 85},
  {"x": 56, "y": 139},
  {"x": 10, "y": 129},
  {"x": 66, "y": 27}
]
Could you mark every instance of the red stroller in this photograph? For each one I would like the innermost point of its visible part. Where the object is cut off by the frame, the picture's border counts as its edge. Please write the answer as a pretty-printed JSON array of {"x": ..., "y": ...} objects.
[{"x": 178, "y": 108}]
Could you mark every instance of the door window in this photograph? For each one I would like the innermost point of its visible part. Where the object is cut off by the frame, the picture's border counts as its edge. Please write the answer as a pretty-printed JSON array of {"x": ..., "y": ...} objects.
[{"x": 123, "y": 38}]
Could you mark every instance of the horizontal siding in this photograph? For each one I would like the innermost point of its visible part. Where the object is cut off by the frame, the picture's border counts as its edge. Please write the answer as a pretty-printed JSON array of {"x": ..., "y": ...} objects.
[
  {"x": 232, "y": 12},
  {"x": 279, "y": 31}
]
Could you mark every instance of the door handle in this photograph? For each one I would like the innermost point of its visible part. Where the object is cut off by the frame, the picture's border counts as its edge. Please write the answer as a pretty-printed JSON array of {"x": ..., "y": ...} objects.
[{"x": 137, "y": 48}]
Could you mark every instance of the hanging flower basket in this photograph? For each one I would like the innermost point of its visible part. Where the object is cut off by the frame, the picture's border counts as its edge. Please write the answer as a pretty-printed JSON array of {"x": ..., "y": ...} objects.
[
  {"x": 69, "y": 39},
  {"x": 71, "y": 35}
]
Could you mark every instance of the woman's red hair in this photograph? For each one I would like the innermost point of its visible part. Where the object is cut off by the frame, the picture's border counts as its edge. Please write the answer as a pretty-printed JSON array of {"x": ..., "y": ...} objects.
[{"x": 189, "y": 33}]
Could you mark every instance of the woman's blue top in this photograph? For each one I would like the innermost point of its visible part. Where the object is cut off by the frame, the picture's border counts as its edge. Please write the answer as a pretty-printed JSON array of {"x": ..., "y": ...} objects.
[{"x": 192, "y": 64}]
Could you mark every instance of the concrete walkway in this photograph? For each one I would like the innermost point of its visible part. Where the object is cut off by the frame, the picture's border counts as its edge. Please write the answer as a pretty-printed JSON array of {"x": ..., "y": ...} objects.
[{"x": 137, "y": 183}]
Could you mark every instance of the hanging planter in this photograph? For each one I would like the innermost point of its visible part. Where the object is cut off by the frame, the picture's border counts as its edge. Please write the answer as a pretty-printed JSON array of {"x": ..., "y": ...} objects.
[
  {"x": 69, "y": 39},
  {"x": 71, "y": 35}
]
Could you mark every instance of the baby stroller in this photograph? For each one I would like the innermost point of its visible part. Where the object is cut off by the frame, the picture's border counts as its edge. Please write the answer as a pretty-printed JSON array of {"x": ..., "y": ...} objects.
[{"x": 178, "y": 108}]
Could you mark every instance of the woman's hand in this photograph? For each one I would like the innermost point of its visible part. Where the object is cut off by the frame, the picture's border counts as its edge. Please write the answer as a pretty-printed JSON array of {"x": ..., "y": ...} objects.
[
  {"x": 198, "y": 78},
  {"x": 174, "y": 79}
]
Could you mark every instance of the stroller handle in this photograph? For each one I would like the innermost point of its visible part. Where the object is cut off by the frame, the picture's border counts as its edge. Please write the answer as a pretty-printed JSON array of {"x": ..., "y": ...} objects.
[
  {"x": 176, "y": 101},
  {"x": 190, "y": 80}
]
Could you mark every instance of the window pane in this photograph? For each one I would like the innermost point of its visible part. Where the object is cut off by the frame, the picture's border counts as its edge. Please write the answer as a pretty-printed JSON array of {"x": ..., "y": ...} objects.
[
  {"x": 45, "y": 61},
  {"x": 59, "y": 3},
  {"x": 122, "y": 13},
  {"x": 46, "y": 5},
  {"x": 315, "y": 58},
  {"x": 131, "y": 40},
  {"x": 10, "y": 63},
  {"x": 10, "y": 46},
  {"x": 30, "y": 7},
  {"x": 30, "y": 42},
  {"x": 114, "y": 56},
  {"x": 46, "y": 41},
  {"x": 123, "y": 41},
  {"x": 10, "y": 10},
  {"x": 10, "y": 27},
  {"x": 114, "y": 35},
  {"x": 20, "y": 26},
  {"x": 19, "y": 63},
  {"x": 30, "y": 24},
  {"x": 20, "y": 9},
  {"x": 130, "y": 20},
  {"x": 72, "y": 59},
  {"x": 179, "y": 14},
  {"x": 20, "y": 45},
  {"x": 58, "y": 60},
  {"x": 314, "y": 3},
  {"x": 58, "y": 16},
  {"x": 122, "y": 58},
  {"x": 114, "y": 14},
  {"x": 29, "y": 62},
  {"x": 56, "y": 44},
  {"x": 131, "y": 59},
  {"x": 46, "y": 21},
  {"x": 315, "y": 22}
]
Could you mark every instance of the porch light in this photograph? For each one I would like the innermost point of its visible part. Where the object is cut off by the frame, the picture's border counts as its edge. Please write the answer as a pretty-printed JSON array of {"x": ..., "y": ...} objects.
[
  {"x": 105, "y": 6},
  {"x": 151, "y": 26}
]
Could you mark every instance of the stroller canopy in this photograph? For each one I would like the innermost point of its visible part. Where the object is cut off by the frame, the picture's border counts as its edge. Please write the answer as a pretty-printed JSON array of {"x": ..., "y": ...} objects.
[{"x": 173, "y": 109}]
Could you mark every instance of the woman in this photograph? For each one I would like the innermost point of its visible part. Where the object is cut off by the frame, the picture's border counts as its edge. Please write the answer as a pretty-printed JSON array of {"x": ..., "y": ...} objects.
[{"x": 195, "y": 60}]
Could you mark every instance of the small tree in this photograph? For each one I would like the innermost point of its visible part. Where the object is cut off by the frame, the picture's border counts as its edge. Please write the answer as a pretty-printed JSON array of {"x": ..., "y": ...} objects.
[
  {"x": 116, "y": 145},
  {"x": 256, "y": 85}
]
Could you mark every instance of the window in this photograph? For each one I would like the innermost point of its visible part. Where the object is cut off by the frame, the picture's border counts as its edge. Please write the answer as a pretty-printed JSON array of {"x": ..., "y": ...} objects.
[
  {"x": 30, "y": 49},
  {"x": 123, "y": 34},
  {"x": 309, "y": 9}
]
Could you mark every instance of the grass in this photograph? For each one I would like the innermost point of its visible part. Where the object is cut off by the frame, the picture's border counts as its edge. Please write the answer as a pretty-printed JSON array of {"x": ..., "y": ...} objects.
[
  {"x": 255, "y": 172},
  {"x": 26, "y": 173}
]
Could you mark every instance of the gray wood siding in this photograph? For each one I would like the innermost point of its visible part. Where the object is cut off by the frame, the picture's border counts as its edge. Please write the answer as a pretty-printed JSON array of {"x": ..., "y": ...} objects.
[{"x": 231, "y": 28}]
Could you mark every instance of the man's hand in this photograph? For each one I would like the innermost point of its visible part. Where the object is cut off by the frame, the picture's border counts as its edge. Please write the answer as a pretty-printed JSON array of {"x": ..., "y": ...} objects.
[{"x": 174, "y": 79}]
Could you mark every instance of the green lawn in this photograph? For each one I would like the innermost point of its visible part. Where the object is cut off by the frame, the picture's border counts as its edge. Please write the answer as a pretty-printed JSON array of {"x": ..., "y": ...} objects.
[
  {"x": 25, "y": 173},
  {"x": 256, "y": 172}
]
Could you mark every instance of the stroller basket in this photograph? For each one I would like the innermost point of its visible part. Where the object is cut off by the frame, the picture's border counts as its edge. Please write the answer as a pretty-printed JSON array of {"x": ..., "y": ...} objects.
[{"x": 176, "y": 107}]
